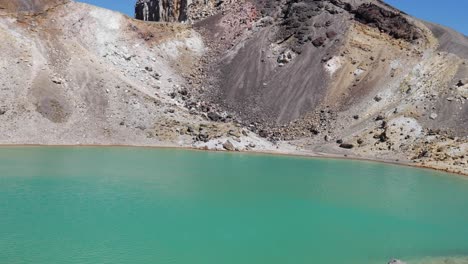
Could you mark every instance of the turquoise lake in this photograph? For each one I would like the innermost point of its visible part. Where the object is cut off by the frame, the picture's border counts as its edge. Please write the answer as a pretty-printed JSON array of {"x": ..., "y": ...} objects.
[{"x": 140, "y": 205}]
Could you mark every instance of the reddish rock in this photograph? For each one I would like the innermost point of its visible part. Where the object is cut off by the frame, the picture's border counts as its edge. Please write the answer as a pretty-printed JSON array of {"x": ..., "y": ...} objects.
[{"x": 319, "y": 41}]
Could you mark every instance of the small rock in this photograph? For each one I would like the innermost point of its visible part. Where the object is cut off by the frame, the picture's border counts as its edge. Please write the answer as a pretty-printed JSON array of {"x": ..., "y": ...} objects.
[
  {"x": 263, "y": 133},
  {"x": 183, "y": 92},
  {"x": 356, "y": 117},
  {"x": 157, "y": 76},
  {"x": 379, "y": 118},
  {"x": 433, "y": 116},
  {"x": 346, "y": 146},
  {"x": 314, "y": 131},
  {"x": 460, "y": 83},
  {"x": 285, "y": 57},
  {"x": 203, "y": 136},
  {"x": 56, "y": 80},
  {"x": 149, "y": 69},
  {"x": 319, "y": 41},
  {"x": 228, "y": 146},
  {"x": 214, "y": 116},
  {"x": 331, "y": 34},
  {"x": 450, "y": 99},
  {"x": 339, "y": 141},
  {"x": 377, "y": 98},
  {"x": 383, "y": 137}
]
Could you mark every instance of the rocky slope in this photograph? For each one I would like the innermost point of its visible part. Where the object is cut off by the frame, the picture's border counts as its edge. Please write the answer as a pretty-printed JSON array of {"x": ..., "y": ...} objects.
[
  {"x": 77, "y": 74},
  {"x": 357, "y": 78},
  {"x": 353, "y": 78}
]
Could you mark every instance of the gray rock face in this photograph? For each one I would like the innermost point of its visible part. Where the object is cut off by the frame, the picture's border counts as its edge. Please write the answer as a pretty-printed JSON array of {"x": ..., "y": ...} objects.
[
  {"x": 162, "y": 10},
  {"x": 174, "y": 10}
]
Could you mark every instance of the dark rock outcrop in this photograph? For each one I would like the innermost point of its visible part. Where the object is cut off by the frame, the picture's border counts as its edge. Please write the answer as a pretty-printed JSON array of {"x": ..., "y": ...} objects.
[{"x": 387, "y": 21}]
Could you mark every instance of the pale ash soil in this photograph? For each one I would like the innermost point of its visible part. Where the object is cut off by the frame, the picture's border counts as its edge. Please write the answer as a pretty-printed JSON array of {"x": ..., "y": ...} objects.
[{"x": 76, "y": 74}]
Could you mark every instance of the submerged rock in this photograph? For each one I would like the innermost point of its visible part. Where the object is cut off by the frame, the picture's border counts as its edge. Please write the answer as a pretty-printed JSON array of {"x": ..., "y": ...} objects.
[{"x": 396, "y": 261}]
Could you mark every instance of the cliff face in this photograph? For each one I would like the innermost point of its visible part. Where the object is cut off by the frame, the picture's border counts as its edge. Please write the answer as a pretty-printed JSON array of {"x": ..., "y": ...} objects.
[
  {"x": 175, "y": 10},
  {"x": 162, "y": 10}
]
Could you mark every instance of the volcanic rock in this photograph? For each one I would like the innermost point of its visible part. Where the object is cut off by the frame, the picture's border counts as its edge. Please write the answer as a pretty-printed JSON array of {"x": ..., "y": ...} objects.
[{"x": 387, "y": 21}]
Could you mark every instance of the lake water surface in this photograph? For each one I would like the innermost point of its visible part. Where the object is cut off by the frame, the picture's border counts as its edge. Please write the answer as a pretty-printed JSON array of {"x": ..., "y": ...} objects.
[{"x": 136, "y": 205}]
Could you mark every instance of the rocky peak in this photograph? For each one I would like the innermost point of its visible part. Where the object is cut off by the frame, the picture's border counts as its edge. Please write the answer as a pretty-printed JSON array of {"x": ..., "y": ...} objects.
[{"x": 175, "y": 10}]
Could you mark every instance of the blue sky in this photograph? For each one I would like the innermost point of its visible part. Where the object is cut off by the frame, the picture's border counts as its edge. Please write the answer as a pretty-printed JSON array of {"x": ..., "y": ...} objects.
[
  {"x": 124, "y": 6},
  {"x": 452, "y": 13}
]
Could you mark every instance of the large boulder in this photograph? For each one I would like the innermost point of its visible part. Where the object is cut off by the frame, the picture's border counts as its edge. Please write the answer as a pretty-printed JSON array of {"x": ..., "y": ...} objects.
[{"x": 229, "y": 146}]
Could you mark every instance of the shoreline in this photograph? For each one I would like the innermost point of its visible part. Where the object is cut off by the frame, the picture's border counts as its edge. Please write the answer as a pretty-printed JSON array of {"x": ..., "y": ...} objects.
[{"x": 298, "y": 154}]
